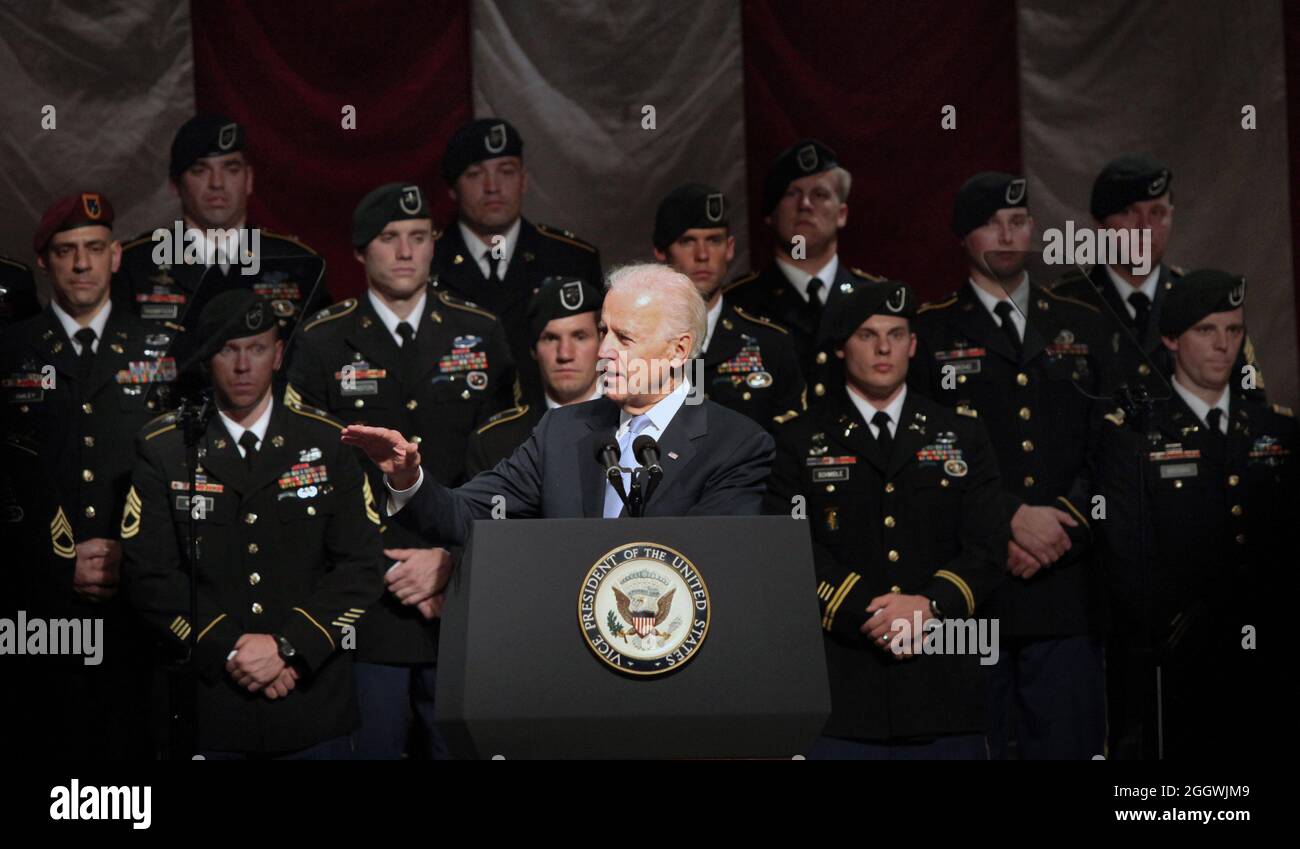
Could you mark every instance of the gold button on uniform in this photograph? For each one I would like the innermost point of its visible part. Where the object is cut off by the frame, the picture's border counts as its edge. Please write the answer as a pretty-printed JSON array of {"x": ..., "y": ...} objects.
[
  {"x": 1236, "y": 510},
  {"x": 819, "y": 390},
  {"x": 412, "y": 404},
  {"x": 88, "y": 441},
  {"x": 1178, "y": 484},
  {"x": 87, "y": 408},
  {"x": 830, "y": 487},
  {"x": 1028, "y": 445},
  {"x": 1022, "y": 379},
  {"x": 895, "y": 589},
  {"x": 961, "y": 378},
  {"x": 746, "y": 396},
  {"x": 1025, "y": 413},
  {"x": 257, "y": 608},
  {"x": 252, "y": 548},
  {"x": 889, "y": 487},
  {"x": 465, "y": 394},
  {"x": 893, "y": 556},
  {"x": 250, "y": 518},
  {"x": 821, "y": 358},
  {"x": 1144, "y": 369},
  {"x": 87, "y": 475},
  {"x": 1233, "y": 480},
  {"x": 90, "y": 512},
  {"x": 417, "y": 439},
  {"x": 1241, "y": 539},
  {"x": 254, "y": 579},
  {"x": 359, "y": 403},
  {"x": 1029, "y": 480},
  {"x": 311, "y": 511},
  {"x": 889, "y": 522}
]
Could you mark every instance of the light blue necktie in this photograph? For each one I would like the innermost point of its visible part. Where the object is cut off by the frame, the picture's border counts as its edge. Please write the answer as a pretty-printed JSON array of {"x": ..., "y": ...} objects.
[{"x": 614, "y": 504}]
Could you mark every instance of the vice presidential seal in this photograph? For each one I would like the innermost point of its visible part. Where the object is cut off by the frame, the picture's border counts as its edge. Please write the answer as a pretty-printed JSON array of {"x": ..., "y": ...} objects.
[{"x": 644, "y": 609}]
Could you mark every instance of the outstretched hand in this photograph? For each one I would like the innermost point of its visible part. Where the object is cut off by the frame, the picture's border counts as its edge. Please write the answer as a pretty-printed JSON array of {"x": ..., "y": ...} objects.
[{"x": 392, "y": 453}]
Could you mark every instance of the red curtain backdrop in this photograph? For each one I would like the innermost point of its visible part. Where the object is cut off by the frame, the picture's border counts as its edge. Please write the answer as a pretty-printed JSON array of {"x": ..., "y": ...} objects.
[
  {"x": 286, "y": 70},
  {"x": 1291, "y": 16},
  {"x": 871, "y": 81}
]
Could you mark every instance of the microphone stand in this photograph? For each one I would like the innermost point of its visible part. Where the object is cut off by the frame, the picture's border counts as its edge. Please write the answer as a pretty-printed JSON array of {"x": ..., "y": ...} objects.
[{"x": 193, "y": 417}]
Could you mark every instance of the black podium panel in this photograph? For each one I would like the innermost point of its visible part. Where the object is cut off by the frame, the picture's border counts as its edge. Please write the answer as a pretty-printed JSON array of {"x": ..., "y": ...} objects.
[{"x": 517, "y": 678}]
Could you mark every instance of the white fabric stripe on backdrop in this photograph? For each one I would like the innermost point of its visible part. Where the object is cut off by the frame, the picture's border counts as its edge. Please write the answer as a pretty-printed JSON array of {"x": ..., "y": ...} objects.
[
  {"x": 573, "y": 78},
  {"x": 121, "y": 80},
  {"x": 1171, "y": 78}
]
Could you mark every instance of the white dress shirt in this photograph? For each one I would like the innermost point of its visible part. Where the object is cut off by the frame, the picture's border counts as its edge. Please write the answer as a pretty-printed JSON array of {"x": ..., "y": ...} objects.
[
  {"x": 1019, "y": 298},
  {"x": 477, "y": 247},
  {"x": 869, "y": 410},
  {"x": 1123, "y": 288},
  {"x": 1202, "y": 409},
  {"x": 70, "y": 325},
  {"x": 392, "y": 319},
  {"x": 799, "y": 278},
  {"x": 258, "y": 427}
]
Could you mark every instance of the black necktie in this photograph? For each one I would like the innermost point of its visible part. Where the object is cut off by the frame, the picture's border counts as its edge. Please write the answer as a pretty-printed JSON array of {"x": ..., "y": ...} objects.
[
  {"x": 493, "y": 262},
  {"x": 249, "y": 443},
  {"x": 884, "y": 439},
  {"x": 86, "y": 338},
  {"x": 814, "y": 305},
  {"x": 1004, "y": 310},
  {"x": 1215, "y": 421},
  {"x": 1141, "y": 311}
]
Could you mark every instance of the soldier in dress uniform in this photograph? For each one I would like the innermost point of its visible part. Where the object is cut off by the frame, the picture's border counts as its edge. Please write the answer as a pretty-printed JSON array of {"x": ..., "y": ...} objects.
[
  {"x": 563, "y": 319},
  {"x": 211, "y": 172},
  {"x": 806, "y": 204},
  {"x": 1135, "y": 191},
  {"x": 1026, "y": 360},
  {"x": 78, "y": 383},
  {"x": 17, "y": 292},
  {"x": 749, "y": 362},
  {"x": 289, "y": 551},
  {"x": 1200, "y": 509},
  {"x": 901, "y": 496},
  {"x": 418, "y": 359},
  {"x": 491, "y": 254}
]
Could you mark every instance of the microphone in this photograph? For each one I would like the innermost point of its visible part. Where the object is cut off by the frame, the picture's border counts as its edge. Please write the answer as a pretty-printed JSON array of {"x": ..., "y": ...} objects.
[
  {"x": 607, "y": 455},
  {"x": 646, "y": 451}
]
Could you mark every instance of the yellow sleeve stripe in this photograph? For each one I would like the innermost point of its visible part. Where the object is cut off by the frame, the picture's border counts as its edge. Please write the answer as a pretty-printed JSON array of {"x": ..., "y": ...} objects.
[
  {"x": 446, "y": 299},
  {"x": 204, "y": 632},
  {"x": 291, "y": 395},
  {"x": 936, "y": 306},
  {"x": 505, "y": 416},
  {"x": 337, "y": 311},
  {"x": 961, "y": 585},
  {"x": 160, "y": 431},
  {"x": 834, "y": 604},
  {"x": 307, "y": 414},
  {"x": 317, "y": 624},
  {"x": 1070, "y": 507}
]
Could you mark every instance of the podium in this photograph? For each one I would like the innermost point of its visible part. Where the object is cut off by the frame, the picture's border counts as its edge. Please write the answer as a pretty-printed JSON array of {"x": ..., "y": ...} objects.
[{"x": 633, "y": 638}]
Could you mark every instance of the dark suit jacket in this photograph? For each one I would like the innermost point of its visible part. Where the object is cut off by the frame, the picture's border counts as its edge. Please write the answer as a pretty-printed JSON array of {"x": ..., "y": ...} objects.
[{"x": 720, "y": 469}]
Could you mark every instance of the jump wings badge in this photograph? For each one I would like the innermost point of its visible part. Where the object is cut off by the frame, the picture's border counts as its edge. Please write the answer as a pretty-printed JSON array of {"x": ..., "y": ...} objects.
[{"x": 643, "y": 609}]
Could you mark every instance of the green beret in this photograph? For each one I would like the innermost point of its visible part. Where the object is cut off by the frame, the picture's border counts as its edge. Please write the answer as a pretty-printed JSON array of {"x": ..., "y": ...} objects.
[
  {"x": 804, "y": 157},
  {"x": 203, "y": 136},
  {"x": 560, "y": 297},
  {"x": 846, "y": 310},
  {"x": 234, "y": 314},
  {"x": 390, "y": 202},
  {"x": 486, "y": 138},
  {"x": 1127, "y": 180},
  {"x": 687, "y": 207},
  {"x": 983, "y": 195},
  {"x": 1198, "y": 294}
]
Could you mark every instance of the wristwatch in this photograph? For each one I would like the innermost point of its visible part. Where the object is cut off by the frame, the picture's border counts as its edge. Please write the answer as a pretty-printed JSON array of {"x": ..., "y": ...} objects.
[
  {"x": 934, "y": 608},
  {"x": 287, "y": 651}
]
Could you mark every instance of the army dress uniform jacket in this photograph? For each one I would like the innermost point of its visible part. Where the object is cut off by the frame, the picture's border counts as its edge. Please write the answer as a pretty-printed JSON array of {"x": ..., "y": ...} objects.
[
  {"x": 17, "y": 292},
  {"x": 540, "y": 252},
  {"x": 1198, "y": 523},
  {"x": 349, "y": 364},
  {"x": 288, "y": 547},
  {"x": 1126, "y": 362},
  {"x": 500, "y": 435},
  {"x": 751, "y": 366},
  {"x": 160, "y": 293},
  {"x": 770, "y": 294},
  {"x": 84, "y": 427},
  {"x": 1044, "y": 428},
  {"x": 925, "y": 521}
]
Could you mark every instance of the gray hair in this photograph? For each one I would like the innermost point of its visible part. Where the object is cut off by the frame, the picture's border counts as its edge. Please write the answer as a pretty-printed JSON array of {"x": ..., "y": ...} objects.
[
  {"x": 683, "y": 307},
  {"x": 843, "y": 182}
]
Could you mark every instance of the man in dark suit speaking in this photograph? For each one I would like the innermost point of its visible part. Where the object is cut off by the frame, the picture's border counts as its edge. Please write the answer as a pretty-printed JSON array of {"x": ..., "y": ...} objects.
[{"x": 715, "y": 462}]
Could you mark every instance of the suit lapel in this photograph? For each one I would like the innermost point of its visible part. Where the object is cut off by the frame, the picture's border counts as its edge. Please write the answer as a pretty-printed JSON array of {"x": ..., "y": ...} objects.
[
  {"x": 220, "y": 457},
  {"x": 910, "y": 436},
  {"x": 602, "y": 419},
  {"x": 272, "y": 455},
  {"x": 111, "y": 356},
  {"x": 677, "y": 446}
]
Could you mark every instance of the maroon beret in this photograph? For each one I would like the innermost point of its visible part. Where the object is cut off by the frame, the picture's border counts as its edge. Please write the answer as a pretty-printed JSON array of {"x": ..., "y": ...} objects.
[{"x": 82, "y": 209}]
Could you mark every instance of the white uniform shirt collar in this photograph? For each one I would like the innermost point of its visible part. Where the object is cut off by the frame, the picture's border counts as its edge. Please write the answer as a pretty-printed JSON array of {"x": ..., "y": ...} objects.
[
  {"x": 258, "y": 427},
  {"x": 551, "y": 403},
  {"x": 1124, "y": 289},
  {"x": 477, "y": 247},
  {"x": 70, "y": 325},
  {"x": 868, "y": 411},
  {"x": 1199, "y": 407},
  {"x": 392, "y": 319},
  {"x": 1019, "y": 297},
  {"x": 799, "y": 278}
]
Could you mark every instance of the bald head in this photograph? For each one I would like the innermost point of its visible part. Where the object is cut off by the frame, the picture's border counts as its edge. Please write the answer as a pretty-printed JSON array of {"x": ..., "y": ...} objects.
[{"x": 653, "y": 322}]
